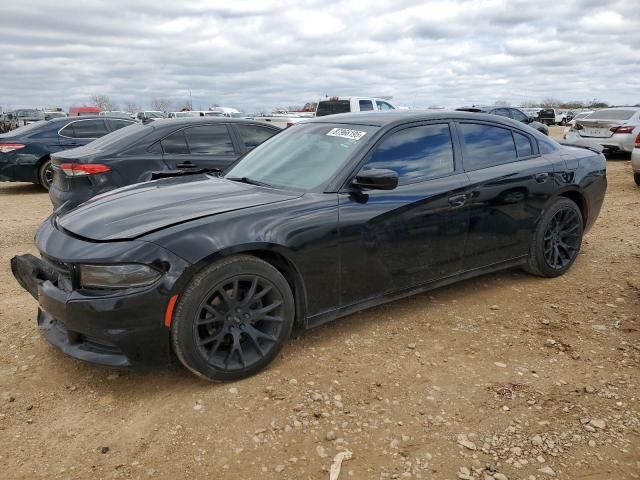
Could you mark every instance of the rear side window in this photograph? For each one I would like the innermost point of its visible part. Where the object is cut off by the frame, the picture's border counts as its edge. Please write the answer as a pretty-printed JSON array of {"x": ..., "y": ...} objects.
[
  {"x": 254, "y": 135},
  {"x": 332, "y": 107},
  {"x": 85, "y": 129},
  {"x": 175, "y": 144},
  {"x": 518, "y": 115},
  {"x": 523, "y": 145},
  {"x": 486, "y": 145},
  {"x": 209, "y": 139},
  {"x": 503, "y": 112},
  {"x": 118, "y": 124},
  {"x": 415, "y": 153},
  {"x": 365, "y": 105}
]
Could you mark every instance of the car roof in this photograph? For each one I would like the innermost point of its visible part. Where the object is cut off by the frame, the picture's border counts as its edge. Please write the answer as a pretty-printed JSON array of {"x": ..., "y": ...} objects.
[
  {"x": 189, "y": 120},
  {"x": 382, "y": 119}
]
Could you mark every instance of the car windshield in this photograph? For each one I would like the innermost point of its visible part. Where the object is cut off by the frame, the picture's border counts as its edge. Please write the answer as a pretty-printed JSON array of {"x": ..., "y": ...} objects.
[
  {"x": 302, "y": 157},
  {"x": 39, "y": 114},
  {"x": 154, "y": 114},
  {"x": 613, "y": 114}
]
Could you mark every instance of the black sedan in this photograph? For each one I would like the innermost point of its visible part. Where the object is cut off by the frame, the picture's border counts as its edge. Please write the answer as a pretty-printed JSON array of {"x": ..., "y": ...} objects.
[
  {"x": 137, "y": 153},
  {"x": 25, "y": 153},
  {"x": 327, "y": 218}
]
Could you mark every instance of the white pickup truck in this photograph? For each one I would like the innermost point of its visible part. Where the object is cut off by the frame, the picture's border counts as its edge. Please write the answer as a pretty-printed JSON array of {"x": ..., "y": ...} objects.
[{"x": 333, "y": 105}]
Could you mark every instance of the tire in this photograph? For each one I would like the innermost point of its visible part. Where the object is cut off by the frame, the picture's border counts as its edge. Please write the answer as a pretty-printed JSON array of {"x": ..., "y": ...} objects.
[
  {"x": 636, "y": 177},
  {"x": 556, "y": 242},
  {"x": 45, "y": 174},
  {"x": 217, "y": 335}
]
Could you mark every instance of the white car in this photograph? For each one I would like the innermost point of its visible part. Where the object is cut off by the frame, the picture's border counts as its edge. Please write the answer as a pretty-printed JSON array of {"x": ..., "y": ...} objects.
[
  {"x": 148, "y": 115},
  {"x": 635, "y": 161},
  {"x": 572, "y": 122},
  {"x": 615, "y": 129},
  {"x": 333, "y": 105}
]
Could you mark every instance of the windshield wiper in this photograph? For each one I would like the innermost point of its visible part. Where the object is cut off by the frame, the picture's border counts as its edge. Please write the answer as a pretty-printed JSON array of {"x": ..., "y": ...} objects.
[{"x": 250, "y": 181}]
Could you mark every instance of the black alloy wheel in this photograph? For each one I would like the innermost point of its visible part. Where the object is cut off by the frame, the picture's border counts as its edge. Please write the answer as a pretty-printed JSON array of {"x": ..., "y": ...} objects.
[
  {"x": 232, "y": 319},
  {"x": 238, "y": 322},
  {"x": 556, "y": 242},
  {"x": 562, "y": 238},
  {"x": 45, "y": 174}
]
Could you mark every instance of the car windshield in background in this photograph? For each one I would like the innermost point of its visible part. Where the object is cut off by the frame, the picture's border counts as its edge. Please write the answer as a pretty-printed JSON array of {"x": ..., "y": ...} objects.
[
  {"x": 303, "y": 157},
  {"x": 613, "y": 114},
  {"x": 331, "y": 107},
  {"x": 39, "y": 114},
  {"x": 154, "y": 115}
]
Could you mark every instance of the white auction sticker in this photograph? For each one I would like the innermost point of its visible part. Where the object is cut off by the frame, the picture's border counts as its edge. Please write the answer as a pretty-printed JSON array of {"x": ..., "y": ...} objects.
[{"x": 346, "y": 133}]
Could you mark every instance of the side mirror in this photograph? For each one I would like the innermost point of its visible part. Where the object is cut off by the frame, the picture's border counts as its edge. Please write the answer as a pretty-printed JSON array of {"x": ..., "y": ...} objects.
[{"x": 376, "y": 179}]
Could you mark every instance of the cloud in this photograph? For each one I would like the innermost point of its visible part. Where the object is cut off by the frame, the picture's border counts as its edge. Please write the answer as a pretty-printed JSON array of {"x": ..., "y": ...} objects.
[{"x": 256, "y": 55}]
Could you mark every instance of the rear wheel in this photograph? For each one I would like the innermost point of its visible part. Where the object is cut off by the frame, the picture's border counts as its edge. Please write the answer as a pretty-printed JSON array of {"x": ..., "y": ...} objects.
[
  {"x": 556, "y": 242},
  {"x": 636, "y": 177},
  {"x": 232, "y": 319},
  {"x": 45, "y": 174}
]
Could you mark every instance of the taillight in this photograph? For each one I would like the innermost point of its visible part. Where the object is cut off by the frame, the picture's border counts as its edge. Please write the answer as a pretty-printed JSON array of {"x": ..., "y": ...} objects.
[
  {"x": 79, "y": 169},
  {"x": 624, "y": 129},
  {"x": 10, "y": 147},
  {"x": 638, "y": 141}
]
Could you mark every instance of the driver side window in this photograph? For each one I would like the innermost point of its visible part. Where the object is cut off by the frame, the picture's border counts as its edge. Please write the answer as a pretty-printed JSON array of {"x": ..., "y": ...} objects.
[{"x": 415, "y": 153}]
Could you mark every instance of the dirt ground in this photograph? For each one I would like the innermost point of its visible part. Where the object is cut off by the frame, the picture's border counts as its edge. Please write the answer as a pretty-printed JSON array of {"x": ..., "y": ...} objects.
[{"x": 409, "y": 388}]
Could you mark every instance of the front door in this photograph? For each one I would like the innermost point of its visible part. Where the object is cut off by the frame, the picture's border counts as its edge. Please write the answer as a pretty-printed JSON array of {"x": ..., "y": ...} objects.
[{"x": 414, "y": 234}]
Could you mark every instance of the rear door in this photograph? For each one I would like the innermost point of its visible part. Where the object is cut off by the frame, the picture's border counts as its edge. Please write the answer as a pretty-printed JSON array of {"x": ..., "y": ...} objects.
[
  {"x": 81, "y": 132},
  {"x": 510, "y": 184},
  {"x": 414, "y": 234},
  {"x": 200, "y": 146}
]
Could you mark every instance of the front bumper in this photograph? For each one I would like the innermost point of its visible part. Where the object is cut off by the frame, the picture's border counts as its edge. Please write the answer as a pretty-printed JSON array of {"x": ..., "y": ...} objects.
[
  {"x": 116, "y": 328},
  {"x": 18, "y": 168}
]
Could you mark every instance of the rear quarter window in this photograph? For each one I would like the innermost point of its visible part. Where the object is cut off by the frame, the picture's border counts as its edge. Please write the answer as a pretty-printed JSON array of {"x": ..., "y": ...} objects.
[
  {"x": 332, "y": 107},
  {"x": 486, "y": 145}
]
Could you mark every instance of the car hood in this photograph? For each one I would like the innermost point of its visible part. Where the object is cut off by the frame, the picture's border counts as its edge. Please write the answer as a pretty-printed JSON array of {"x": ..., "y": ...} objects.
[{"x": 134, "y": 211}]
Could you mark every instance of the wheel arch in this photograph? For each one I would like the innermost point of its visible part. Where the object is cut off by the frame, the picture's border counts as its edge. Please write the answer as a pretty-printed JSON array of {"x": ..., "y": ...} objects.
[
  {"x": 277, "y": 256},
  {"x": 578, "y": 198}
]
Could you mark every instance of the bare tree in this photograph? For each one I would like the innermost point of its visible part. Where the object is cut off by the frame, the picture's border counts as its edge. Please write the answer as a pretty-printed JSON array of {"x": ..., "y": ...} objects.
[
  {"x": 104, "y": 102},
  {"x": 161, "y": 104},
  {"x": 131, "y": 106}
]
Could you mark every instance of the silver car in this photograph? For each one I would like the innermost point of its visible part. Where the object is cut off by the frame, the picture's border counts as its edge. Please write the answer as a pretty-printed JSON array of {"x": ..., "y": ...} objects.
[
  {"x": 635, "y": 161},
  {"x": 615, "y": 129}
]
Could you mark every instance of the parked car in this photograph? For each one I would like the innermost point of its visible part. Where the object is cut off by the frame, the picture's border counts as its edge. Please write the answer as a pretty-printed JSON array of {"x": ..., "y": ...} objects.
[
  {"x": 184, "y": 114},
  {"x": 572, "y": 122},
  {"x": 116, "y": 113},
  {"x": 332, "y": 216},
  {"x": 519, "y": 116},
  {"x": 508, "y": 112},
  {"x": 84, "y": 111},
  {"x": 334, "y": 105},
  {"x": 149, "y": 115},
  {"x": 25, "y": 153},
  {"x": 635, "y": 160},
  {"x": 26, "y": 116},
  {"x": 552, "y": 116},
  {"x": 226, "y": 112},
  {"x": 137, "y": 153},
  {"x": 48, "y": 115},
  {"x": 614, "y": 128}
]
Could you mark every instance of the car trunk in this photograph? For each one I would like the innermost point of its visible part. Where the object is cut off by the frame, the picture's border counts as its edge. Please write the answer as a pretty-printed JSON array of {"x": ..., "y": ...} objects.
[{"x": 597, "y": 128}]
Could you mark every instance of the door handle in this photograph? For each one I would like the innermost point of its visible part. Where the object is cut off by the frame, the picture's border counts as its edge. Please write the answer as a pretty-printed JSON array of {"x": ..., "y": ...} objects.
[
  {"x": 541, "y": 177},
  {"x": 458, "y": 200},
  {"x": 186, "y": 164}
]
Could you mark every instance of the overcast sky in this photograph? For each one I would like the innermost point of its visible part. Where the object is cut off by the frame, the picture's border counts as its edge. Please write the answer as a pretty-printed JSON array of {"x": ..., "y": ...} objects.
[{"x": 261, "y": 54}]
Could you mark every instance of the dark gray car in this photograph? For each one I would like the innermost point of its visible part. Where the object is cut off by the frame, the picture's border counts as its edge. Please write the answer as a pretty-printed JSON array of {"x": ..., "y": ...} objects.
[
  {"x": 141, "y": 152},
  {"x": 509, "y": 112}
]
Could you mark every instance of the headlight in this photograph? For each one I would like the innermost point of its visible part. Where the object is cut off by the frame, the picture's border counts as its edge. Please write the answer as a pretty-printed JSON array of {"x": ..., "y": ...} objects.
[{"x": 117, "y": 276}]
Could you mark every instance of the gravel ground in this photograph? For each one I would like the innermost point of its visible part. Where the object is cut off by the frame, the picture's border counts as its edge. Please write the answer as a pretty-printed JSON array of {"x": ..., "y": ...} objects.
[{"x": 504, "y": 376}]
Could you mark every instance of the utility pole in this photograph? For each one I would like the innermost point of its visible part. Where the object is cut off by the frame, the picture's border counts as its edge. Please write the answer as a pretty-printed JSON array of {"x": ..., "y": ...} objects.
[{"x": 190, "y": 100}]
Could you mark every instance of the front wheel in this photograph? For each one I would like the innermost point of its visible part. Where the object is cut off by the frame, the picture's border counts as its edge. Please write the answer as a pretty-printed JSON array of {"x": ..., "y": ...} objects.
[
  {"x": 232, "y": 319},
  {"x": 45, "y": 175},
  {"x": 556, "y": 241},
  {"x": 636, "y": 177}
]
